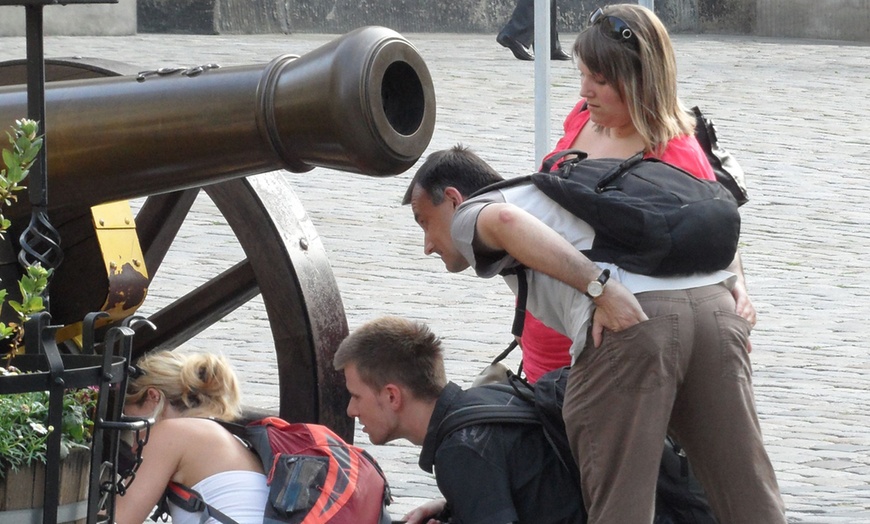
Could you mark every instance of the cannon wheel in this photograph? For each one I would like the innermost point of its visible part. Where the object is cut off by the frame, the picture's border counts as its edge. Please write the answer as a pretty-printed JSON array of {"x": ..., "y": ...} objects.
[{"x": 285, "y": 263}]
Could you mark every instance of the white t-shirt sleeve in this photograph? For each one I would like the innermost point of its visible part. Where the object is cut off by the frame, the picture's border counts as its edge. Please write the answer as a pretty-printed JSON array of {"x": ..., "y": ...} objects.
[{"x": 463, "y": 230}]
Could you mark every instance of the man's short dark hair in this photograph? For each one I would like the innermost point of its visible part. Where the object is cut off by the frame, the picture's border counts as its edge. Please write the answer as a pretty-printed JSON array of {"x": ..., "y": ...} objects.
[
  {"x": 395, "y": 350},
  {"x": 457, "y": 167}
]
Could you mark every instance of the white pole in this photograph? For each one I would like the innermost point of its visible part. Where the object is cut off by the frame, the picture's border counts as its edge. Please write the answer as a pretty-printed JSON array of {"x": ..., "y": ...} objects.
[
  {"x": 649, "y": 4},
  {"x": 542, "y": 80}
]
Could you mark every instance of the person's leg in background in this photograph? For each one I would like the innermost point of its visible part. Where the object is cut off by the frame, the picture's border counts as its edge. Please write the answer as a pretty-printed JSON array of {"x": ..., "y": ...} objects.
[
  {"x": 556, "y": 52},
  {"x": 519, "y": 32}
]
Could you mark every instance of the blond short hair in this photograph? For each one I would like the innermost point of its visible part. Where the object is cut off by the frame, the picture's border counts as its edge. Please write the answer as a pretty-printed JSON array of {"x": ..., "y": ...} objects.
[
  {"x": 395, "y": 350},
  {"x": 196, "y": 384}
]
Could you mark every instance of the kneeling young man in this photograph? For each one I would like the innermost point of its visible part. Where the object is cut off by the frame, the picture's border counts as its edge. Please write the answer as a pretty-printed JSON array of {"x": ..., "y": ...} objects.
[{"x": 488, "y": 473}]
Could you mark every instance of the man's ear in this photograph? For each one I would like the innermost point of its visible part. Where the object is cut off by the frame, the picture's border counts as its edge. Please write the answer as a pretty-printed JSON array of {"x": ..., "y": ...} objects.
[
  {"x": 394, "y": 396},
  {"x": 452, "y": 194}
]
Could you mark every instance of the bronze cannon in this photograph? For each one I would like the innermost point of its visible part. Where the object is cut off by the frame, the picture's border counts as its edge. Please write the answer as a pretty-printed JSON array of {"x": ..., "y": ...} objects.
[{"x": 363, "y": 103}]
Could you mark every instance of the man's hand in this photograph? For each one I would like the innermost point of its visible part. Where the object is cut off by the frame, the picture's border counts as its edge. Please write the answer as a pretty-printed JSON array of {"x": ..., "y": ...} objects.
[
  {"x": 744, "y": 306},
  {"x": 423, "y": 514},
  {"x": 741, "y": 296},
  {"x": 616, "y": 309}
]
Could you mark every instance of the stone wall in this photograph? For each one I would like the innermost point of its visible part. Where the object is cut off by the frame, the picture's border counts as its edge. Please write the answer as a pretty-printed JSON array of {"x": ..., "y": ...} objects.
[
  {"x": 75, "y": 19},
  {"x": 341, "y": 16},
  {"x": 823, "y": 19},
  {"x": 833, "y": 19}
]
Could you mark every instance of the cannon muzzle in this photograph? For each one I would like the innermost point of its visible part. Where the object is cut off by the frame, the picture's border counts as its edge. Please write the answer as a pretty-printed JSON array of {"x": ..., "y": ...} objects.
[{"x": 362, "y": 103}]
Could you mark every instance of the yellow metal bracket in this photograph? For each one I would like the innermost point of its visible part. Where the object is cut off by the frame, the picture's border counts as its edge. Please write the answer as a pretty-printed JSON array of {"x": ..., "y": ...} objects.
[{"x": 115, "y": 229}]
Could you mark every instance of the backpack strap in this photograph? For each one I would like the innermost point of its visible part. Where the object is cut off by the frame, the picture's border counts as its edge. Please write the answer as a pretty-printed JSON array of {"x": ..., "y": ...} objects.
[
  {"x": 547, "y": 165},
  {"x": 520, "y": 307},
  {"x": 505, "y": 352},
  {"x": 192, "y": 502},
  {"x": 486, "y": 414},
  {"x": 501, "y": 184},
  {"x": 498, "y": 414}
]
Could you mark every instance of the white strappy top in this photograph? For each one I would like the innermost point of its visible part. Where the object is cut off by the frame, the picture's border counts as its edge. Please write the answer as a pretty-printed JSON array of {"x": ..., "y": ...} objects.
[{"x": 241, "y": 495}]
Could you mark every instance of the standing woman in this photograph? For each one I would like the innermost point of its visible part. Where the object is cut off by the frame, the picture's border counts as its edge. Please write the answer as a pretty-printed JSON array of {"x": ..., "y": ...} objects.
[
  {"x": 178, "y": 390},
  {"x": 629, "y": 104}
]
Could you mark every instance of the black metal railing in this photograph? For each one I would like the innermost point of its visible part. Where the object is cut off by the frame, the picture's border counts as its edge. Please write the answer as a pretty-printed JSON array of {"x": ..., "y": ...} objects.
[
  {"x": 44, "y": 366},
  {"x": 103, "y": 365}
]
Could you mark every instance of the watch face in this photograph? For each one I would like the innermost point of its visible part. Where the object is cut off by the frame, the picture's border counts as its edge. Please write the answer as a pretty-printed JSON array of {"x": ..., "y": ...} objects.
[{"x": 594, "y": 289}]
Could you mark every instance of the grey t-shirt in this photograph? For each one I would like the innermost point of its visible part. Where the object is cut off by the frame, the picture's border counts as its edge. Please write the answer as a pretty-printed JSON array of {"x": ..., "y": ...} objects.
[{"x": 556, "y": 304}]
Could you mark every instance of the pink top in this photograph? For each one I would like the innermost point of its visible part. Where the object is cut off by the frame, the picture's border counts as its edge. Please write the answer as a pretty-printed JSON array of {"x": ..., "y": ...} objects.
[{"x": 684, "y": 151}]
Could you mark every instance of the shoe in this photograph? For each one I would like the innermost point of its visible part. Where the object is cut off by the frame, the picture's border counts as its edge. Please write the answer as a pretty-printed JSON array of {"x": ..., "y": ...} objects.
[
  {"x": 558, "y": 54},
  {"x": 520, "y": 51}
]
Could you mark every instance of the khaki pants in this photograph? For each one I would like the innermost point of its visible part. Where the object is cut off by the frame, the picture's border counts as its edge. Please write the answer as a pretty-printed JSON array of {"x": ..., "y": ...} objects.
[{"x": 684, "y": 372}]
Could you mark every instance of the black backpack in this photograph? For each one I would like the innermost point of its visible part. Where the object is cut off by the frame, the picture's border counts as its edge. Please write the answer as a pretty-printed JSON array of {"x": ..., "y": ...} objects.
[
  {"x": 650, "y": 217},
  {"x": 679, "y": 496}
]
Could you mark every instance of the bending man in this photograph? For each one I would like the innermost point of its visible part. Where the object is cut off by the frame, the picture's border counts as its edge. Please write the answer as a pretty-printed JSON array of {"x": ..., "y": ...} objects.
[{"x": 663, "y": 355}]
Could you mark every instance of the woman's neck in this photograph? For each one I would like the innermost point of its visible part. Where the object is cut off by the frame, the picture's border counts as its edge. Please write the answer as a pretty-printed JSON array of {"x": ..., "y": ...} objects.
[
  {"x": 625, "y": 132},
  {"x": 609, "y": 142}
]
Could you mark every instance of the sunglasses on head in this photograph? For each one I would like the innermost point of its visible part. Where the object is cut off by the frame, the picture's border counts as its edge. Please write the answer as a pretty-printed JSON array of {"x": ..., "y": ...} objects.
[{"x": 615, "y": 27}]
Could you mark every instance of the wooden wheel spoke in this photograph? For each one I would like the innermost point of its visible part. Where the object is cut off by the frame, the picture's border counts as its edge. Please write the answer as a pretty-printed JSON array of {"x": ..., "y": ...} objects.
[
  {"x": 194, "y": 312},
  {"x": 158, "y": 222}
]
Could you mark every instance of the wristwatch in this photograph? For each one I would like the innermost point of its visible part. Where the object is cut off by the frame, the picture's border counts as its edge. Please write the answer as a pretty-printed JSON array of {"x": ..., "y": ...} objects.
[{"x": 596, "y": 287}]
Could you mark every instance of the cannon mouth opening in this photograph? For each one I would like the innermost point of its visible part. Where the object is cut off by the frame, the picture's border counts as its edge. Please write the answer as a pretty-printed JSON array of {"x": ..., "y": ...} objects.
[{"x": 403, "y": 98}]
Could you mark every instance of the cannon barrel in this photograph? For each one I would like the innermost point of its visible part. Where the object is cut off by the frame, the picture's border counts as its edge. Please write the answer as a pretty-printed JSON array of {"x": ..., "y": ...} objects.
[{"x": 362, "y": 103}]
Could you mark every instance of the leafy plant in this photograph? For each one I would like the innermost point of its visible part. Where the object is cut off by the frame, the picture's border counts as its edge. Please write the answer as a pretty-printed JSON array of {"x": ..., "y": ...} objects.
[
  {"x": 32, "y": 286},
  {"x": 18, "y": 160},
  {"x": 24, "y": 425}
]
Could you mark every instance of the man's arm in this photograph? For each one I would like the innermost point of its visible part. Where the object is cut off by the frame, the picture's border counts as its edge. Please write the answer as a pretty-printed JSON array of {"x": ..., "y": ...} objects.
[
  {"x": 424, "y": 513},
  {"x": 538, "y": 247}
]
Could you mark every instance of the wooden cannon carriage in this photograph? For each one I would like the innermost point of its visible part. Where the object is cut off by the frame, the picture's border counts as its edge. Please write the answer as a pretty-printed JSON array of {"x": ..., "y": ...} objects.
[{"x": 363, "y": 103}]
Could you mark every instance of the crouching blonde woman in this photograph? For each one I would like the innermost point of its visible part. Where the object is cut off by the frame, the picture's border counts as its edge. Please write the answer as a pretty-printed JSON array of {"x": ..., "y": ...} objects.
[{"x": 179, "y": 390}]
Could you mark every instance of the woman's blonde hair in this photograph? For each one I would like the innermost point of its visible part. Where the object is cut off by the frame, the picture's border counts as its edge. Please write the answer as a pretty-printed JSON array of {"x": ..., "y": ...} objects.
[
  {"x": 196, "y": 384},
  {"x": 642, "y": 68}
]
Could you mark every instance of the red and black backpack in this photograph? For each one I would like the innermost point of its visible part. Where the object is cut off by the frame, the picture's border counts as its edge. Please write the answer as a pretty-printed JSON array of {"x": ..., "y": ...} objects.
[{"x": 314, "y": 477}]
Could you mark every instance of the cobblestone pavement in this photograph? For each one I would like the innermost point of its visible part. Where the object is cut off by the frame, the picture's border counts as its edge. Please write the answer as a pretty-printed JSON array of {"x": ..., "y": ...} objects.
[{"x": 794, "y": 111}]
